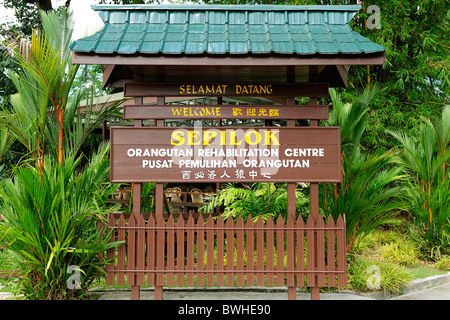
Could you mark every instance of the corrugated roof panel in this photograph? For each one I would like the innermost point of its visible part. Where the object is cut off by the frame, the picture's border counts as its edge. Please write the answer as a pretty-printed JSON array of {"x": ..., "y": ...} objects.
[
  {"x": 217, "y": 17},
  {"x": 138, "y": 17},
  {"x": 297, "y": 18},
  {"x": 197, "y": 17},
  {"x": 150, "y": 47},
  {"x": 276, "y": 17},
  {"x": 107, "y": 46},
  {"x": 256, "y": 18},
  {"x": 260, "y": 47},
  {"x": 237, "y": 29},
  {"x": 236, "y": 17}
]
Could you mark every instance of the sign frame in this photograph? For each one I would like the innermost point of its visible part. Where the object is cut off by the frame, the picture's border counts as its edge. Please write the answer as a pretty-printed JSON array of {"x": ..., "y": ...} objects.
[
  {"x": 268, "y": 112},
  {"x": 326, "y": 169}
]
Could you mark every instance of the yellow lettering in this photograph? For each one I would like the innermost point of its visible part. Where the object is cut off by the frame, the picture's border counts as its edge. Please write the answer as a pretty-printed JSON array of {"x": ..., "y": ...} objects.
[
  {"x": 238, "y": 89},
  {"x": 269, "y": 89},
  {"x": 218, "y": 111},
  {"x": 182, "y": 89},
  {"x": 233, "y": 141},
  {"x": 176, "y": 111},
  {"x": 208, "y": 135},
  {"x": 200, "y": 90},
  {"x": 193, "y": 135},
  {"x": 177, "y": 138},
  {"x": 256, "y": 139},
  {"x": 271, "y": 138}
]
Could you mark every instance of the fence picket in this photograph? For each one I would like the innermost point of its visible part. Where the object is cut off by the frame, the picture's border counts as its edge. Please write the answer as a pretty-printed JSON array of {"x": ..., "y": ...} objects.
[
  {"x": 320, "y": 252},
  {"x": 300, "y": 235},
  {"x": 331, "y": 252},
  {"x": 111, "y": 253},
  {"x": 170, "y": 243},
  {"x": 240, "y": 250},
  {"x": 160, "y": 248},
  {"x": 151, "y": 250},
  {"x": 269, "y": 250},
  {"x": 290, "y": 251},
  {"x": 210, "y": 251},
  {"x": 220, "y": 250},
  {"x": 230, "y": 252},
  {"x": 200, "y": 251},
  {"x": 310, "y": 254},
  {"x": 131, "y": 262},
  {"x": 121, "y": 251},
  {"x": 280, "y": 251},
  {"x": 190, "y": 250},
  {"x": 260, "y": 250},
  {"x": 140, "y": 257},
  {"x": 341, "y": 252},
  {"x": 180, "y": 251},
  {"x": 250, "y": 252}
]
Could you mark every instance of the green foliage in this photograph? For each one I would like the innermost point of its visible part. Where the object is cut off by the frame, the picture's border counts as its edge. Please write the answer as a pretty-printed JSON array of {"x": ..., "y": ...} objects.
[
  {"x": 51, "y": 223},
  {"x": 425, "y": 158},
  {"x": 265, "y": 199},
  {"x": 366, "y": 194},
  {"x": 392, "y": 277}
]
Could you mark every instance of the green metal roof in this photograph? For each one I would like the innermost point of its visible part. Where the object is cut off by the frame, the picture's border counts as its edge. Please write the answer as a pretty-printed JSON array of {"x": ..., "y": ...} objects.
[{"x": 226, "y": 29}]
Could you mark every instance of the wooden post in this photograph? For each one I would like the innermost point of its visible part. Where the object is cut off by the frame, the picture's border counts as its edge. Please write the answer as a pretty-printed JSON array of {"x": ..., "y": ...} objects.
[
  {"x": 159, "y": 210},
  {"x": 135, "y": 289},
  {"x": 314, "y": 212},
  {"x": 292, "y": 291}
]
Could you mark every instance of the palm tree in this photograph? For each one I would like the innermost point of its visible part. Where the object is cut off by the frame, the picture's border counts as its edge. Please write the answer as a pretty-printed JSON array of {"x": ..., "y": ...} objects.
[
  {"x": 423, "y": 157},
  {"x": 367, "y": 195}
]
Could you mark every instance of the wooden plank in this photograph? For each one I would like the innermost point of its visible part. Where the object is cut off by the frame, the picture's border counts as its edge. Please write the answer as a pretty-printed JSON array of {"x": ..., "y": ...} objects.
[
  {"x": 341, "y": 253},
  {"x": 190, "y": 250},
  {"x": 210, "y": 251},
  {"x": 200, "y": 252},
  {"x": 320, "y": 253},
  {"x": 280, "y": 251},
  {"x": 132, "y": 89},
  {"x": 180, "y": 251},
  {"x": 111, "y": 253},
  {"x": 170, "y": 242},
  {"x": 260, "y": 251},
  {"x": 310, "y": 252},
  {"x": 230, "y": 252},
  {"x": 331, "y": 252},
  {"x": 160, "y": 246},
  {"x": 300, "y": 238},
  {"x": 121, "y": 251},
  {"x": 240, "y": 250},
  {"x": 290, "y": 251},
  {"x": 269, "y": 252},
  {"x": 220, "y": 250},
  {"x": 151, "y": 250},
  {"x": 131, "y": 259},
  {"x": 249, "y": 226},
  {"x": 270, "y": 112},
  {"x": 140, "y": 252}
]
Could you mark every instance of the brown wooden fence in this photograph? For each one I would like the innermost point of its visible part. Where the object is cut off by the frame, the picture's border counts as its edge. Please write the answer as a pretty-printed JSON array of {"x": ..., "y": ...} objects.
[{"x": 211, "y": 252}]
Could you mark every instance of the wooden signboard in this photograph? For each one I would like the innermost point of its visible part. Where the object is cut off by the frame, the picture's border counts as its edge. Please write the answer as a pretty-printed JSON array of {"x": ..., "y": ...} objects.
[
  {"x": 141, "y": 89},
  {"x": 259, "y": 154},
  {"x": 226, "y": 112}
]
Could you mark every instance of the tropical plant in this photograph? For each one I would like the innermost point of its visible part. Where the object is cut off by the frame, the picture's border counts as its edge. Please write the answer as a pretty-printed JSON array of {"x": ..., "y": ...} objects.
[
  {"x": 367, "y": 194},
  {"x": 425, "y": 157},
  {"x": 51, "y": 222},
  {"x": 45, "y": 115},
  {"x": 251, "y": 201}
]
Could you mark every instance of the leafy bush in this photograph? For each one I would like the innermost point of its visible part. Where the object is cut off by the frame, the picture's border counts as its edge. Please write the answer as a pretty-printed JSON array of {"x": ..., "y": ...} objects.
[{"x": 51, "y": 222}]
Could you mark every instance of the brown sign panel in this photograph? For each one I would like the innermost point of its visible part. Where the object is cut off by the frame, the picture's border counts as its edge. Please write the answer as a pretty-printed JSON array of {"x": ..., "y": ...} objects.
[
  {"x": 141, "y": 89},
  {"x": 259, "y": 154},
  {"x": 226, "y": 112}
]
